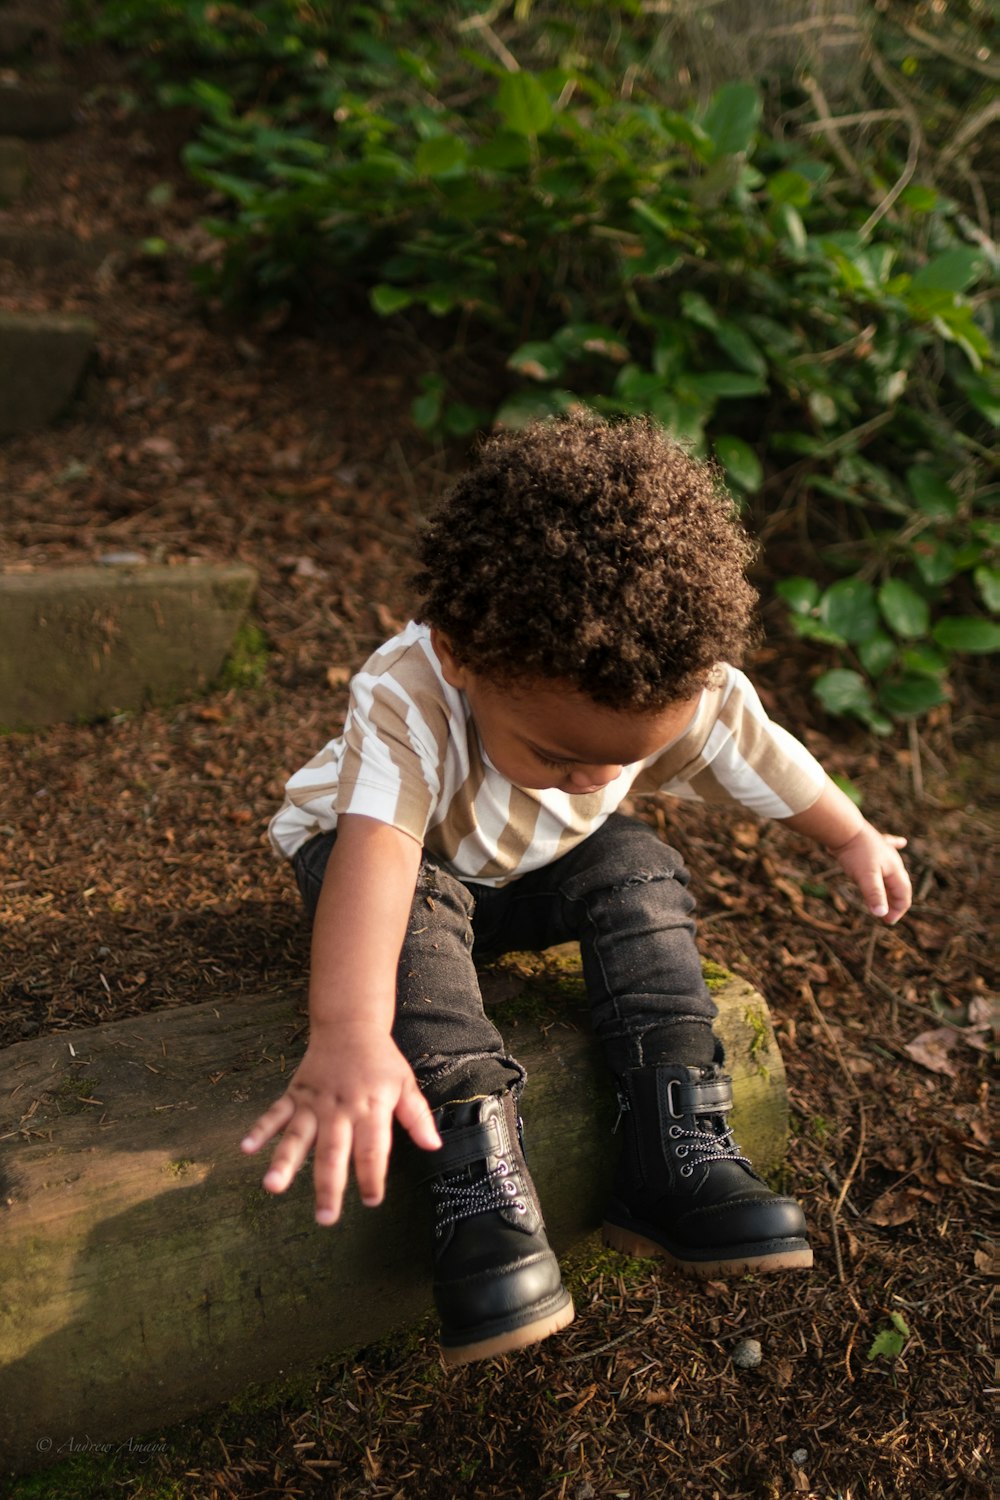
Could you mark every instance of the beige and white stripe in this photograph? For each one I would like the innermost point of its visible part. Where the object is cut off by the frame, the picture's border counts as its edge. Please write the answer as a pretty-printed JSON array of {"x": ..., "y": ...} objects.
[{"x": 410, "y": 756}]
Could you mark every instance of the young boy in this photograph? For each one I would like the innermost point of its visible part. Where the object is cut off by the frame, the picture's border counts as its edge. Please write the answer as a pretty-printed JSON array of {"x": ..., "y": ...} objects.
[{"x": 584, "y": 613}]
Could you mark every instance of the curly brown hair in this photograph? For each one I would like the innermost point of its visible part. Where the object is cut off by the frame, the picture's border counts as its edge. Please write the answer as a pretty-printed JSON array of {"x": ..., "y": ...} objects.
[{"x": 596, "y": 553}]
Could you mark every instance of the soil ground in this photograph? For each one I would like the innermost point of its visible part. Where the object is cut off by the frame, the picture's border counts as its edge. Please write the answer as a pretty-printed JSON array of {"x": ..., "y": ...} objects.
[{"x": 136, "y": 875}]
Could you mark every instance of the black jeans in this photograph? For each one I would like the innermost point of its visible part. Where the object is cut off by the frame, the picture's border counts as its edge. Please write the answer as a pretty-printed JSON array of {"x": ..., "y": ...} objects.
[{"x": 621, "y": 893}]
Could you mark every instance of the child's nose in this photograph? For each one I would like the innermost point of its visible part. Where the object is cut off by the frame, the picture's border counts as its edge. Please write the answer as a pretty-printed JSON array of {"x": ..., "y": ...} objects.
[{"x": 592, "y": 778}]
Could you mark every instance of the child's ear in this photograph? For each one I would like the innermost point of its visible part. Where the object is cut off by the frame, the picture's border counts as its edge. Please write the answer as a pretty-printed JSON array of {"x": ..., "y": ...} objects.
[{"x": 453, "y": 673}]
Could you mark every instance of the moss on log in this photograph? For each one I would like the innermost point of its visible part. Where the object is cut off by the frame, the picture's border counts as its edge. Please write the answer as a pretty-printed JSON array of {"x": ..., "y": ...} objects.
[{"x": 144, "y": 1273}]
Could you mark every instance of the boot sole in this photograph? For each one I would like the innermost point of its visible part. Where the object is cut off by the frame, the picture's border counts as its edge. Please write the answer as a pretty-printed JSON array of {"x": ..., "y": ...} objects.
[
  {"x": 787, "y": 1255},
  {"x": 513, "y": 1338}
]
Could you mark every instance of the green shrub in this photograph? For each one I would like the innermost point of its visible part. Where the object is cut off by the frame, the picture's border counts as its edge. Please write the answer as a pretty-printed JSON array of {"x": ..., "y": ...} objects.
[{"x": 615, "y": 250}]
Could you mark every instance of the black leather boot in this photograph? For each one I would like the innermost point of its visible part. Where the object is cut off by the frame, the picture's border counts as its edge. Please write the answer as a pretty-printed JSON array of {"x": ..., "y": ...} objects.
[
  {"x": 497, "y": 1285},
  {"x": 683, "y": 1190}
]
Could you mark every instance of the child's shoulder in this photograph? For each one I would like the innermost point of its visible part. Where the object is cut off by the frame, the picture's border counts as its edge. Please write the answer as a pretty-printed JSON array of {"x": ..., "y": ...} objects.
[
  {"x": 407, "y": 667},
  {"x": 406, "y": 657}
]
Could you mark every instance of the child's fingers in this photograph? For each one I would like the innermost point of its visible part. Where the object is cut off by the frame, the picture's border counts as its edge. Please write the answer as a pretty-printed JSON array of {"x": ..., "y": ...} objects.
[
  {"x": 330, "y": 1168},
  {"x": 372, "y": 1143},
  {"x": 268, "y": 1125},
  {"x": 899, "y": 891},
  {"x": 895, "y": 840},
  {"x": 414, "y": 1114},
  {"x": 873, "y": 891},
  {"x": 291, "y": 1152}
]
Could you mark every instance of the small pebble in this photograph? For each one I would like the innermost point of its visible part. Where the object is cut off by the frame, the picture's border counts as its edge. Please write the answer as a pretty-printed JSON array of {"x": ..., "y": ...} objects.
[
  {"x": 799, "y": 1456},
  {"x": 119, "y": 559},
  {"x": 747, "y": 1354}
]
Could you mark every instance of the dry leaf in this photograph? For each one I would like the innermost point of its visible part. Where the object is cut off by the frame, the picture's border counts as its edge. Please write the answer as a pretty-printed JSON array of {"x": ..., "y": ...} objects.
[
  {"x": 338, "y": 676},
  {"x": 931, "y": 1048},
  {"x": 893, "y": 1207},
  {"x": 988, "y": 1261},
  {"x": 387, "y": 620},
  {"x": 983, "y": 1012}
]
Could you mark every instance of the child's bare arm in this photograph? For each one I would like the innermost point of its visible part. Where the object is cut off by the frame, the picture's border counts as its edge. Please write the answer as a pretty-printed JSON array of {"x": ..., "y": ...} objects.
[
  {"x": 869, "y": 857},
  {"x": 352, "y": 1079}
]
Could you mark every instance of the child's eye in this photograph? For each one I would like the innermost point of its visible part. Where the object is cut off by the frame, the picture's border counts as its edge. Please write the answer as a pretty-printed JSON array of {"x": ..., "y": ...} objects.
[{"x": 554, "y": 765}]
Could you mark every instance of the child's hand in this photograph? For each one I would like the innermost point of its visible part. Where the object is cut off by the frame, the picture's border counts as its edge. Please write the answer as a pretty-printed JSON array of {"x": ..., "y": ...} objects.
[
  {"x": 341, "y": 1100},
  {"x": 871, "y": 860}
]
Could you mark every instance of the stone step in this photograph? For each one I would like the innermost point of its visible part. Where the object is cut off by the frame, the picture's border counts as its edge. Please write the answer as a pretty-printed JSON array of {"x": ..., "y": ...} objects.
[
  {"x": 42, "y": 360},
  {"x": 37, "y": 109},
  {"x": 84, "y": 643},
  {"x": 49, "y": 249},
  {"x": 13, "y": 168},
  {"x": 19, "y": 30}
]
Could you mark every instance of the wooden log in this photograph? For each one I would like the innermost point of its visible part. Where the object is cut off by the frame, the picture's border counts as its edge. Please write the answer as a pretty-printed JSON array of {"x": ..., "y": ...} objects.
[{"x": 145, "y": 1275}]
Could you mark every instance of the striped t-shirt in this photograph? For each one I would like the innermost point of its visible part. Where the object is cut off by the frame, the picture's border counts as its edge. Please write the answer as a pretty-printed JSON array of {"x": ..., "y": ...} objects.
[{"x": 410, "y": 756}]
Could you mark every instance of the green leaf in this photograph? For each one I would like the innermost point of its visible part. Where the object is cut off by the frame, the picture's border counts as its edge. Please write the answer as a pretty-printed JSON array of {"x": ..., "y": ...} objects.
[
  {"x": 697, "y": 309},
  {"x": 720, "y": 383},
  {"x": 790, "y": 187},
  {"x": 903, "y": 609},
  {"x": 878, "y": 654},
  {"x": 591, "y": 338},
  {"x": 505, "y": 152},
  {"x": 441, "y": 156},
  {"x": 987, "y": 581},
  {"x": 387, "y": 299},
  {"x": 930, "y": 492},
  {"x": 788, "y": 225},
  {"x": 890, "y": 1342},
  {"x": 524, "y": 104},
  {"x": 684, "y": 130},
  {"x": 925, "y": 661},
  {"x": 922, "y": 200},
  {"x": 527, "y": 406},
  {"x": 426, "y": 408},
  {"x": 983, "y": 394},
  {"x": 967, "y": 633},
  {"x": 842, "y": 691},
  {"x": 740, "y": 347},
  {"x": 459, "y": 419},
  {"x": 848, "y": 607},
  {"x": 906, "y": 697},
  {"x": 800, "y": 594},
  {"x": 815, "y": 630},
  {"x": 740, "y": 463},
  {"x": 935, "y": 561},
  {"x": 730, "y": 120},
  {"x": 951, "y": 272},
  {"x": 539, "y": 361}
]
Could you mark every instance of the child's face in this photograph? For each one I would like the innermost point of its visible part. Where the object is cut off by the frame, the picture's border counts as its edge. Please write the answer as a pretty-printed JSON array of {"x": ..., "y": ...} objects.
[{"x": 549, "y": 735}]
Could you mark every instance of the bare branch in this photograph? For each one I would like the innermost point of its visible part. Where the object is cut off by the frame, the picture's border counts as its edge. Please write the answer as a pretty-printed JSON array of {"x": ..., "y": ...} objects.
[
  {"x": 954, "y": 54},
  {"x": 969, "y": 130},
  {"x": 828, "y": 125}
]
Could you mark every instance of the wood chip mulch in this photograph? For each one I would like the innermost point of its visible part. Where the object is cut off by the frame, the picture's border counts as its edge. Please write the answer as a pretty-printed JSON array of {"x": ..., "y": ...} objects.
[{"x": 136, "y": 875}]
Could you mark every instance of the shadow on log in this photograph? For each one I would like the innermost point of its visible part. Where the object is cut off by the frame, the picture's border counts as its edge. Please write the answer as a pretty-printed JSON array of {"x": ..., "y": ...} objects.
[{"x": 144, "y": 1273}]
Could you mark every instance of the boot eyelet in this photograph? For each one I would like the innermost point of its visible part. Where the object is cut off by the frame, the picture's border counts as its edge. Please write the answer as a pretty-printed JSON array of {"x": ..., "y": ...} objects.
[
  {"x": 687, "y": 1171},
  {"x": 682, "y": 1151},
  {"x": 520, "y": 1208},
  {"x": 510, "y": 1187},
  {"x": 675, "y": 1131},
  {"x": 502, "y": 1168}
]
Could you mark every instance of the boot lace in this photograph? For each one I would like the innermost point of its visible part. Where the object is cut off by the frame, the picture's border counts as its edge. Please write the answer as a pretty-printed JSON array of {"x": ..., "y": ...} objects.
[
  {"x": 456, "y": 1199},
  {"x": 706, "y": 1146}
]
